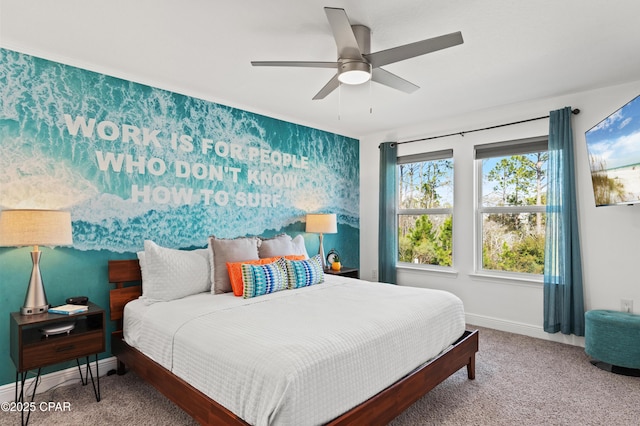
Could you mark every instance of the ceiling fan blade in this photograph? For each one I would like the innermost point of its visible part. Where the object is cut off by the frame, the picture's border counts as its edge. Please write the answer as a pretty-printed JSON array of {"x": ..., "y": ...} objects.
[
  {"x": 328, "y": 88},
  {"x": 389, "y": 79},
  {"x": 305, "y": 64},
  {"x": 400, "y": 53},
  {"x": 343, "y": 34}
]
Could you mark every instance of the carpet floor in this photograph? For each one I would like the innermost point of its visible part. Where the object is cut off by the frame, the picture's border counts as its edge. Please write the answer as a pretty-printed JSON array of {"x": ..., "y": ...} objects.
[{"x": 519, "y": 381}]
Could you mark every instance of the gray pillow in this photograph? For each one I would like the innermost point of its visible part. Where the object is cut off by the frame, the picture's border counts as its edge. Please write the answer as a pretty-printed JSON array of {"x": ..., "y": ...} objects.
[
  {"x": 230, "y": 250},
  {"x": 282, "y": 245}
]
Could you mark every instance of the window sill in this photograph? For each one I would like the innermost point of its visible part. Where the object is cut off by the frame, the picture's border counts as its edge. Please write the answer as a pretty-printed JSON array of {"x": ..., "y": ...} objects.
[
  {"x": 511, "y": 279},
  {"x": 430, "y": 269}
]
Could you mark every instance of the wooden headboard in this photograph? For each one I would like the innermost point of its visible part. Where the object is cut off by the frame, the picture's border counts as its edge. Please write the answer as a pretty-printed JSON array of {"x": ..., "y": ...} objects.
[{"x": 122, "y": 272}]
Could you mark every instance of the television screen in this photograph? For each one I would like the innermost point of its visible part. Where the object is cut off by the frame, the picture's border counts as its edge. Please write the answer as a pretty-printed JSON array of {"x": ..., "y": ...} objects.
[{"x": 613, "y": 146}]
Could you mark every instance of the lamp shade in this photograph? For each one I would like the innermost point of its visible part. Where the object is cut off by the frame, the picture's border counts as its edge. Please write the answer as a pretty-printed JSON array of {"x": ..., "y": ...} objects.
[
  {"x": 322, "y": 223},
  {"x": 35, "y": 227}
]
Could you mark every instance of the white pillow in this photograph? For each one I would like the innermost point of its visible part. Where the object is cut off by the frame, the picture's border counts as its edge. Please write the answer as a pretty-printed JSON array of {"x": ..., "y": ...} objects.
[
  {"x": 169, "y": 274},
  {"x": 298, "y": 246}
]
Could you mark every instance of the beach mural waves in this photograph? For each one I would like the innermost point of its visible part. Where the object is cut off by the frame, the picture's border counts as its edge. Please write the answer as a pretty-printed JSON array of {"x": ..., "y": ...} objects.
[{"x": 133, "y": 162}]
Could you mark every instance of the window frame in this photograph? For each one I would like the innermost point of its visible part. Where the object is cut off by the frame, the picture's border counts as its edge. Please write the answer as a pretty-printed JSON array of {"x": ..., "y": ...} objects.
[
  {"x": 446, "y": 154},
  {"x": 496, "y": 150}
]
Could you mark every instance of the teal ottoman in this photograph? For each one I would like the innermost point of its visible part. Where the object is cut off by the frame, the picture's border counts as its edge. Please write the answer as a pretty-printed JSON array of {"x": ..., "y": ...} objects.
[{"x": 613, "y": 338}]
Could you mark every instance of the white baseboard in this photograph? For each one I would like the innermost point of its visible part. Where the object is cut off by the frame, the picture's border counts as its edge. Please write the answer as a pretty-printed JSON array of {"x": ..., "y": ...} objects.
[
  {"x": 524, "y": 329},
  {"x": 48, "y": 381}
]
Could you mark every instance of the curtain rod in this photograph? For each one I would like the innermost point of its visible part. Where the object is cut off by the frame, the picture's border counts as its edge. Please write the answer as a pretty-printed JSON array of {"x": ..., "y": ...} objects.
[{"x": 575, "y": 111}]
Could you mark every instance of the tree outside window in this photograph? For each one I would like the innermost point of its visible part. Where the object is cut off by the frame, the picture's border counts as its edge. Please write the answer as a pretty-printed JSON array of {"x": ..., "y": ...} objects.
[
  {"x": 425, "y": 209},
  {"x": 512, "y": 212}
]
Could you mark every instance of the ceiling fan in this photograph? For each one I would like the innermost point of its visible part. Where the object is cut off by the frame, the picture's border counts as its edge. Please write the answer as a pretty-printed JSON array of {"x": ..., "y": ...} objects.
[{"x": 356, "y": 64}]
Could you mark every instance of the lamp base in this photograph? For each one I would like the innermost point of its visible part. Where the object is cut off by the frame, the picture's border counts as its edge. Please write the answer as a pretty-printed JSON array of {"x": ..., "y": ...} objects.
[
  {"x": 35, "y": 302},
  {"x": 34, "y": 310},
  {"x": 321, "y": 253}
]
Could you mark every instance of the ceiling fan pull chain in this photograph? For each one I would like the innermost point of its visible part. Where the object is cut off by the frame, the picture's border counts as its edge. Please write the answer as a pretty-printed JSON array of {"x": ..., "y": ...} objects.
[{"x": 370, "y": 99}]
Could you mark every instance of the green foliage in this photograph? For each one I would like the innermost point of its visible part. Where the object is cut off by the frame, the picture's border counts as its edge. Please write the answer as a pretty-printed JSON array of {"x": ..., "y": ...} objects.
[
  {"x": 434, "y": 173},
  {"x": 420, "y": 182},
  {"x": 514, "y": 242},
  {"x": 427, "y": 243},
  {"x": 425, "y": 239},
  {"x": 445, "y": 243},
  {"x": 516, "y": 179},
  {"x": 526, "y": 256}
]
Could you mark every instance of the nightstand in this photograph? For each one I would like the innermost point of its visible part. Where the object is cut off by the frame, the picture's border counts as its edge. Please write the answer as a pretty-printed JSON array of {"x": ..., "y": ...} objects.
[
  {"x": 344, "y": 272},
  {"x": 31, "y": 350}
]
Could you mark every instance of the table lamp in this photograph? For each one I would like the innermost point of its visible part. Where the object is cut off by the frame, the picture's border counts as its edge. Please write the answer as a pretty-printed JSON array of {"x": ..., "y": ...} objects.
[
  {"x": 322, "y": 224},
  {"x": 20, "y": 228}
]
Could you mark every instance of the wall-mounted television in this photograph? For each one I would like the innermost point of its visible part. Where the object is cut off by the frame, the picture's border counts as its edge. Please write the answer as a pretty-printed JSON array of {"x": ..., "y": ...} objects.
[{"x": 613, "y": 146}]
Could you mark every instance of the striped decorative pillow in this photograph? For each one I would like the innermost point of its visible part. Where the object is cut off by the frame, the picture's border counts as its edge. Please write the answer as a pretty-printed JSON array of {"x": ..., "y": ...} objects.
[
  {"x": 303, "y": 273},
  {"x": 258, "y": 280},
  {"x": 235, "y": 270}
]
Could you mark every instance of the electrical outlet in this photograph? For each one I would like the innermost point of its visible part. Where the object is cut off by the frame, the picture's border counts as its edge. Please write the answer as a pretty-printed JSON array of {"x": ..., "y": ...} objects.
[
  {"x": 374, "y": 275},
  {"x": 626, "y": 305}
]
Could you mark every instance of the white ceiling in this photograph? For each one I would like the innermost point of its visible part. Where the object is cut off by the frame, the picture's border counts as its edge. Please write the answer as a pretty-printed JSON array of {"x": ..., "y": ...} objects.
[{"x": 513, "y": 51}]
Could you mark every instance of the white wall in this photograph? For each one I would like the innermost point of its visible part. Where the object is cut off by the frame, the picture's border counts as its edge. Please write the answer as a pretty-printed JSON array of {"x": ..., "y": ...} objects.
[{"x": 610, "y": 235}]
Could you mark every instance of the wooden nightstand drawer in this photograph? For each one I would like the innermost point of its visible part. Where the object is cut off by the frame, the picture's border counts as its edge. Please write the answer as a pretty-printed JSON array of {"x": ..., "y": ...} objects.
[
  {"x": 55, "y": 349},
  {"x": 31, "y": 350}
]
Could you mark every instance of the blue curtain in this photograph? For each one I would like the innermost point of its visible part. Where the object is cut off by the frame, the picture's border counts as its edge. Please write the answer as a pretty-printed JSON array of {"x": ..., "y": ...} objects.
[
  {"x": 387, "y": 219},
  {"x": 563, "y": 294}
]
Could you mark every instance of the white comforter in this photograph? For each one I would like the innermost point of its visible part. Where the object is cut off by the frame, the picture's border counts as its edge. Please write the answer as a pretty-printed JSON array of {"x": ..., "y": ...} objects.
[{"x": 297, "y": 357}]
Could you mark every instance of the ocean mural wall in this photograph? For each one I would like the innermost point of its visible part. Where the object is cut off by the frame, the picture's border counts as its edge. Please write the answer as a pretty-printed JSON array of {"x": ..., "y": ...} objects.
[{"x": 133, "y": 162}]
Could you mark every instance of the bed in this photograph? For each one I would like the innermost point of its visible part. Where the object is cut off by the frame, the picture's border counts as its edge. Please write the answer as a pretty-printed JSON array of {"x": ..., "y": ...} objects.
[{"x": 277, "y": 379}]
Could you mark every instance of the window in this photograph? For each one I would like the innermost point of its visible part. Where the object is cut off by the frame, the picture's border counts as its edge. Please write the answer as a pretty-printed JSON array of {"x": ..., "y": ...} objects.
[
  {"x": 425, "y": 208},
  {"x": 512, "y": 190}
]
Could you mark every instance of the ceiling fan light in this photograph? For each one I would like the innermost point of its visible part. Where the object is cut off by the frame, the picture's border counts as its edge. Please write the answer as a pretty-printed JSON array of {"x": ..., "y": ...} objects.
[{"x": 354, "y": 72}]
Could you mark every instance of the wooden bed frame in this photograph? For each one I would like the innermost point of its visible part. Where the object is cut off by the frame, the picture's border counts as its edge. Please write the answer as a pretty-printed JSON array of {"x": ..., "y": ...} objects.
[{"x": 378, "y": 410}]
